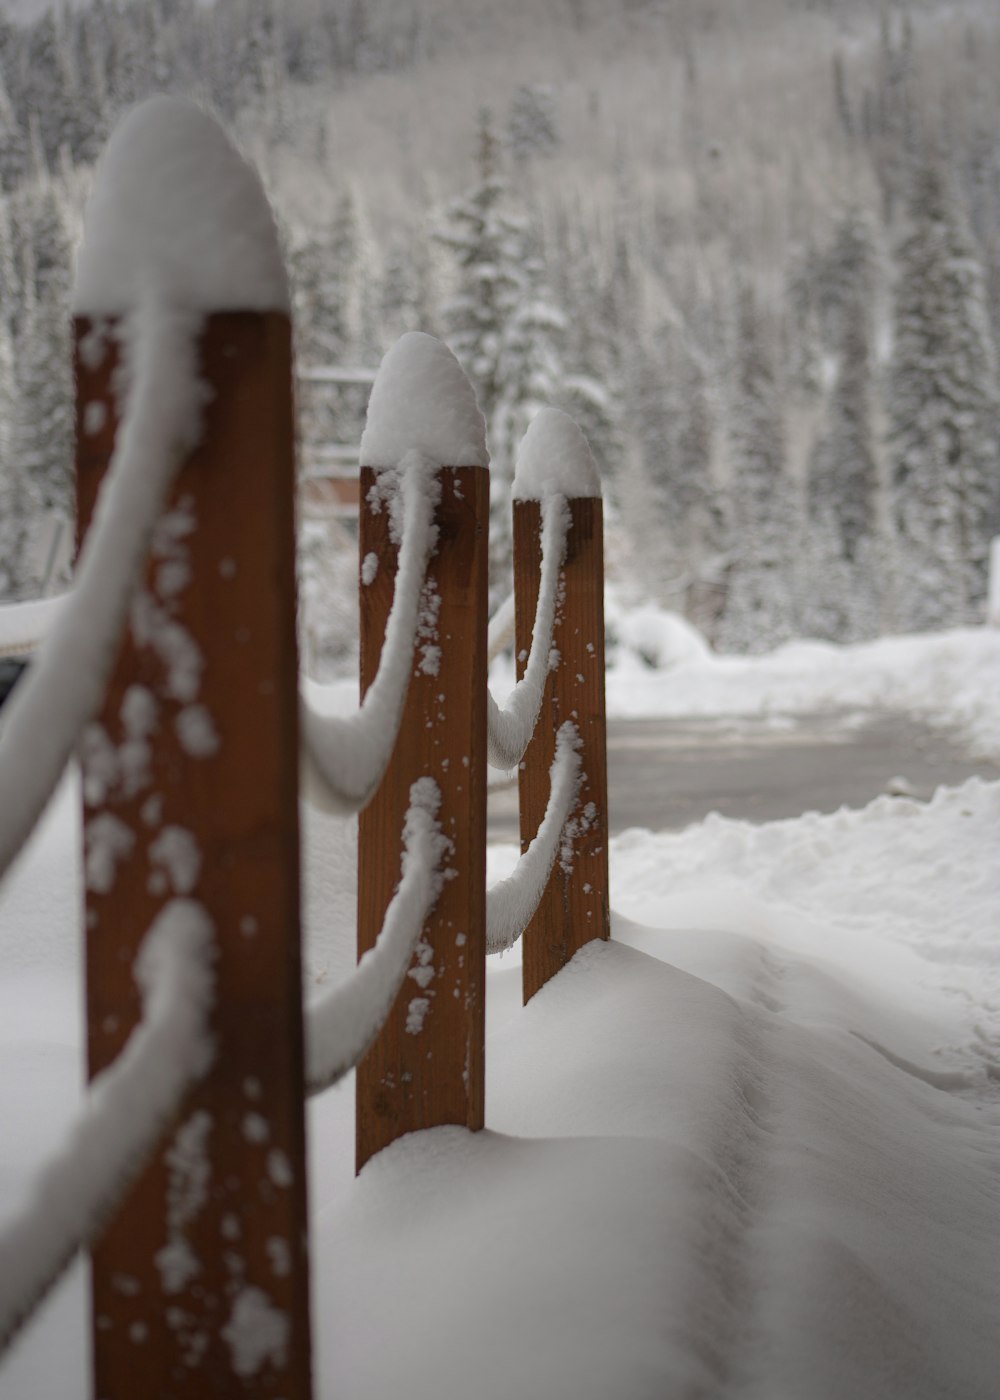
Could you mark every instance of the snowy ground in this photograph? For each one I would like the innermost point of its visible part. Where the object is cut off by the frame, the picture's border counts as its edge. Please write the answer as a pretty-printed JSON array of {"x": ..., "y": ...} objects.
[{"x": 749, "y": 1149}]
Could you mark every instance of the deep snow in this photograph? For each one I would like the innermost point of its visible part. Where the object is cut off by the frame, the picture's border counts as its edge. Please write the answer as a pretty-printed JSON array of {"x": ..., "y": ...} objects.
[{"x": 749, "y": 1149}]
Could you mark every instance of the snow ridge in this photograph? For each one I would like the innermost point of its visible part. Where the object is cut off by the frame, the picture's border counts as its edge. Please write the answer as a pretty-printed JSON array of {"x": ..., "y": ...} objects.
[
  {"x": 341, "y": 1026},
  {"x": 122, "y": 1118}
]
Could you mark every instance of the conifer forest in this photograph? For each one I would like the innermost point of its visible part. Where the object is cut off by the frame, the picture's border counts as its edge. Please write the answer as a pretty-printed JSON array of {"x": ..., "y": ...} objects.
[{"x": 754, "y": 249}]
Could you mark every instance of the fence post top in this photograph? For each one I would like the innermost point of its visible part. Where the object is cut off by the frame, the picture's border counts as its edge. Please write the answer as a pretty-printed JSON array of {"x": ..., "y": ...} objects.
[
  {"x": 554, "y": 459},
  {"x": 176, "y": 206},
  {"x": 422, "y": 400}
]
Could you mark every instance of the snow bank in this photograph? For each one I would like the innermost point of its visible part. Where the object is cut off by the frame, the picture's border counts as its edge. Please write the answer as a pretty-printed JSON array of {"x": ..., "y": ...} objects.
[
  {"x": 422, "y": 400},
  {"x": 650, "y": 636},
  {"x": 177, "y": 209},
  {"x": 951, "y": 679},
  {"x": 554, "y": 459}
]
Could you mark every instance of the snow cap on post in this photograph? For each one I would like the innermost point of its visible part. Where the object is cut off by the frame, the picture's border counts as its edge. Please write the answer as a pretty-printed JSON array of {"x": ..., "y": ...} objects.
[
  {"x": 176, "y": 207},
  {"x": 422, "y": 400},
  {"x": 554, "y": 459}
]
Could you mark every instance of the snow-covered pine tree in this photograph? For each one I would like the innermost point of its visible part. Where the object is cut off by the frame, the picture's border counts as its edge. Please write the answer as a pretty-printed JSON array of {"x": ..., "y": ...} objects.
[
  {"x": 760, "y": 603},
  {"x": 42, "y": 428},
  {"x": 532, "y": 129},
  {"x": 671, "y": 506},
  {"x": 14, "y": 161},
  {"x": 839, "y": 596},
  {"x": 11, "y": 507},
  {"x": 487, "y": 241},
  {"x": 529, "y": 370},
  {"x": 944, "y": 409}
]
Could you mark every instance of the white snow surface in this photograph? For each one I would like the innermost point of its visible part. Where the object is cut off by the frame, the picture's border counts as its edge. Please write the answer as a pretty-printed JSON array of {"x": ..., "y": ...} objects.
[
  {"x": 509, "y": 727},
  {"x": 167, "y": 157},
  {"x": 951, "y": 679},
  {"x": 747, "y": 1149},
  {"x": 512, "y": 901},
  {"x": 554, "y": 458},
  {"x": 423, "y": 399}
]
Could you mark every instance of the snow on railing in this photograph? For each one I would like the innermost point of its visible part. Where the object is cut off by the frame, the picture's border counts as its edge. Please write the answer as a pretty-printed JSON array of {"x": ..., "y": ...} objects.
[
  {"x": 349, "y": 754},
  {"x": 155, "y": 296},
  {"x": 342, "y": 1025},
  {"x": 511, "y": 903},
  {"x": 122, "y": 1118},
  {"x": 63, "y": 687},
  {"x": 510, "y": 727},
  {"x": 554, "y": 466}
]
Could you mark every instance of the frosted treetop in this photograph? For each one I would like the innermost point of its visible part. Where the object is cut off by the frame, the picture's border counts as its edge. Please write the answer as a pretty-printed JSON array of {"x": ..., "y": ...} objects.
[
  {"x": 554, "y": 459},
  {"x": 422, "y": 400},
  {"x": 176, "y": 207}
]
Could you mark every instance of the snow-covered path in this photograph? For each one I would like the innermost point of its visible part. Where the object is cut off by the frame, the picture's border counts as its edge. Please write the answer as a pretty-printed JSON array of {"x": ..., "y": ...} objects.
[{"x": 749, "y": 1149}]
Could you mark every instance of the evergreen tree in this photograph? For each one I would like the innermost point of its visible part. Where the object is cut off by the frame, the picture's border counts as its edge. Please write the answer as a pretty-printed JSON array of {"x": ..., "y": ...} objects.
[
  {"x": 839, "y": 593},
  {"x": 42, "y": 427},
  {"x": 487, "y": 319},
  {"x": 944, "y": 406},
  {"x": 486, "y": 240},
  {"x": 760, "y": 606},
  {"x": 13, "y": 143},
  {"x": 531, "y": 124}
]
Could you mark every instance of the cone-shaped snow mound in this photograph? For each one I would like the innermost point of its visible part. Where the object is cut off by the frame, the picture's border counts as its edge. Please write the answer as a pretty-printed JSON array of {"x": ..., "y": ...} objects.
[
  {"x": 178, "y": 208},
  {"x": 422, "y": 399},
  {"x": 554, "y": 459}
]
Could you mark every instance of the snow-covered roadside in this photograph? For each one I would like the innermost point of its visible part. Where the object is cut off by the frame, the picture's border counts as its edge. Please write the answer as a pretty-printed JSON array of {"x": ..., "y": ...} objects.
[
  {"x": 659, "y": 666},
  {"x": 949, "y": 679},
  {"x": 747, "y": 1150}
]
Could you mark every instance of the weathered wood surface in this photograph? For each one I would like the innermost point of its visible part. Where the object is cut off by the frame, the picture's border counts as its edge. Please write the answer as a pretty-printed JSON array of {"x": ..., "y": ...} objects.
[
  {"x": 575, "y": 907},
  {"x": 427, "y": 1066},
  {"x": 200, "y": 1285}
]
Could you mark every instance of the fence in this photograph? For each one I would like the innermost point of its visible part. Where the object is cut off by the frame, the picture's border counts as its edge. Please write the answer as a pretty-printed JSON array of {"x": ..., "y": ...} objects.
[{"x": 173, "y": 670}]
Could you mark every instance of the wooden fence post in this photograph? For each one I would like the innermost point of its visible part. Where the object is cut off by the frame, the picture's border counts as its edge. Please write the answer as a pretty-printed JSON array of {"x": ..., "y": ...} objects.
[
  {"x": 200, "y": 1284},
  {"x": 575, "y": 906},
  {"x": 427, "y": 1068}
]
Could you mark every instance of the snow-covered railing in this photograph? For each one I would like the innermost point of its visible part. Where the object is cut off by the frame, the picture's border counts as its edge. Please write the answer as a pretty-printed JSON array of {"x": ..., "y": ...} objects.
[
  {"x": 556, "y": 476},
  {"x": 171, "y": 668},
  {"x": 426, "y": 1065}
]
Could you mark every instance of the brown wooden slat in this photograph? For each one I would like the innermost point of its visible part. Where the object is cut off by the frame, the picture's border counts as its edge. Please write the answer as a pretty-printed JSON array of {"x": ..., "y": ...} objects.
[
  {"x": 574, "y": 908},
  {"x": 238, "y": 1203},
  {"x": 418, "y": 1080}
]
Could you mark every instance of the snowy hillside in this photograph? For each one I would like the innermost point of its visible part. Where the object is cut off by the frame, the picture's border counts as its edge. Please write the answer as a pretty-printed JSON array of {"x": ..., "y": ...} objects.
[{"x": 721, "y": 238}]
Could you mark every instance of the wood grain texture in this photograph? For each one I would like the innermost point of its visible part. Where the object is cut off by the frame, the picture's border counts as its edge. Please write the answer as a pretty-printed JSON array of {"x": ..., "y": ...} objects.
[
  {"x": 215, "y": 1230},
  {"x": 575, "y": 906},
  {"x": 426, "y": 1068}
]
